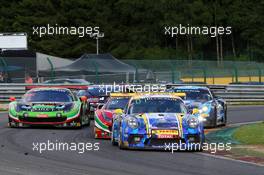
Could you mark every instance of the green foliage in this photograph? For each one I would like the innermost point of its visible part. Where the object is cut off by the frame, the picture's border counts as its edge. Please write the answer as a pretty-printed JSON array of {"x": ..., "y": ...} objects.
[{"x": 135, "y": 29}]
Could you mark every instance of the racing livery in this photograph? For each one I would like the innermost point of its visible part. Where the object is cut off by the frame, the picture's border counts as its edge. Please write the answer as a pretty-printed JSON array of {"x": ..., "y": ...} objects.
[
  {"x": 48, "y": 106},
  {"x": 213, "y": 110},
  {"x": 97, "y": 95},
  {"x": 103, "y": 117},
  {"x": 154, "y": 121}
]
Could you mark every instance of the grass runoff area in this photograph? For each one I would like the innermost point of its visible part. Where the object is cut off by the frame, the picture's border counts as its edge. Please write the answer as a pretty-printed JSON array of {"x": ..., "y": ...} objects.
[
  {"x": 251, "y": 139},
  {"x": 250, "y": 134}
]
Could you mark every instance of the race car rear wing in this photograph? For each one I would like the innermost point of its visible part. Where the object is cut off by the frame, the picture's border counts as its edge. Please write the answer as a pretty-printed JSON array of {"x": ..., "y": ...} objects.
[
  {"x": 122, "y": 94},
  {"x": 182, "y": 95}
]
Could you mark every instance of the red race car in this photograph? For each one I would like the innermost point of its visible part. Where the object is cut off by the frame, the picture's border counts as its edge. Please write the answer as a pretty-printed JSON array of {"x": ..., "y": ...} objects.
[{"x": 103, "y": 116}]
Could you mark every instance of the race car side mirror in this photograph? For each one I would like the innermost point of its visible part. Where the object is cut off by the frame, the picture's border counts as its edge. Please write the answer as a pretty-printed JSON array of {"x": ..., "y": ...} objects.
[
  {"x": 195, "y": 111},
  {"x": 12, "y": 98},
  {"x": 83, "y": 98},
  {"x": 118, "y": 111}
]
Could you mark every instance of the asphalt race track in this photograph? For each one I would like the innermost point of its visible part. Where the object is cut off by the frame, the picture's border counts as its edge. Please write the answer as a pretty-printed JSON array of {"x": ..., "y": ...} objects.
[{"x": 17, "y": 155}]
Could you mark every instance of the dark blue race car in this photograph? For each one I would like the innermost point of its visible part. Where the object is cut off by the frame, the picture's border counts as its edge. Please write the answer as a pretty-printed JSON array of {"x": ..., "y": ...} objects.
[{"x": 213, "y": 110}]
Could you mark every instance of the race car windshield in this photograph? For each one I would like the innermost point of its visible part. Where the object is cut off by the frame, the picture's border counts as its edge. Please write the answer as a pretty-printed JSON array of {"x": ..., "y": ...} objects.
[
  {"x": 97, "y": 91},
  {"x": 116, "y": 103},
  {"x": 196, "y": 94},
  {"x": 157, "y": 105},
  {"x": 48, "y": 96}
]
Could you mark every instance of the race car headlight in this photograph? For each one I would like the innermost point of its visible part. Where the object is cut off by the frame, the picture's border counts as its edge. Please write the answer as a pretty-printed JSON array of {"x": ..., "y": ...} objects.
[
  {"x": 193, "y": 122},
  {"x": 58, "y": 115},
  {"x": 204, "y": 109},
  {"x": 25, "y": 114},
  {"x": 132, "y": 122},
  {"x": 68, "y": 107},
  {"x": 24, "y": 107}
]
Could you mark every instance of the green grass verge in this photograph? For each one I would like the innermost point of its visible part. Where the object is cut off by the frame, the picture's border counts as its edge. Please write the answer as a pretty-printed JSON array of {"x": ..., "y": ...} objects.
[{"x": 252, "y": 134}]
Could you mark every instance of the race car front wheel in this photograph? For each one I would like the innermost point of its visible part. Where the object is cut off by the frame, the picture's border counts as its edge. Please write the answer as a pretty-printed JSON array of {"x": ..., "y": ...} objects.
[
  {"x": 214, "y": 120},
  {"x": 120, "y": 142},
  {"x": 113, "y": 142},
  {"x": 12, "y": 124}
]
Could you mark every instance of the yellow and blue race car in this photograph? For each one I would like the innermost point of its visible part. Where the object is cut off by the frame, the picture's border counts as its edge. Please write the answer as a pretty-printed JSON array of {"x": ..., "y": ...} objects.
[{"x": 156, "y": 121}]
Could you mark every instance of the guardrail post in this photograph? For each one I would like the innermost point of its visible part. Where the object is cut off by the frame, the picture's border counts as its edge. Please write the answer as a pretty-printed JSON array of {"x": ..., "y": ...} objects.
[
  {"x": 192, "y": 76},
  {"x": 205, "y": 74},
  {"x": 96, "y": 72},
  {"x": 236, "y": 74},
  {"x": 172, "y": 76},
  {"x": 259, "y": 74},
  {"x": 51, "y": 68}
]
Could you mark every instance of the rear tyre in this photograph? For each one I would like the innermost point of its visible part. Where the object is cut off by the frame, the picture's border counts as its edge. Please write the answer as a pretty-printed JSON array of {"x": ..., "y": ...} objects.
[
  {"x": 88, "y": 120},
  {"x": 95, "y": 135},
  {"x": 225, "y": 117},
  {"x": 81, "y": 122}
]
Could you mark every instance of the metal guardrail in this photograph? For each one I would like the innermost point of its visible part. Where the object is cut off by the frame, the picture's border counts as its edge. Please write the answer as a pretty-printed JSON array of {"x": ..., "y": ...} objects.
[
  {"x": 8, "y": 90},
  {"x": 236, "y": 94},
  {"x": 231, "y": 93}
]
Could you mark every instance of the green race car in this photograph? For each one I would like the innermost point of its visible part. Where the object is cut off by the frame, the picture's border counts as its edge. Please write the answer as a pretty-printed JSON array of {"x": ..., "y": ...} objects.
[{"x": 48, "y": 106}]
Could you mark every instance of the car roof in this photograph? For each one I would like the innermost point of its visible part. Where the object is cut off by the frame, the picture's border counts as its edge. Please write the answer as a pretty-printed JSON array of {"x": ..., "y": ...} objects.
[
  {"x": 191, "y": 87},
  {"x": 48, "y": 88}
]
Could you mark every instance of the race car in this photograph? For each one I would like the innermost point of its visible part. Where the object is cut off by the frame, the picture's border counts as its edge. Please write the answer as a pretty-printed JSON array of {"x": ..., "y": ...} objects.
[
  {"x": 213, "y": 110},
  {"x": 157, "y": 121},
  {"x": 96, "y": 95},
  {"x": 103, "y": 116},
  {"x": 67, "y": 81},
  {"x": 48, "y": 106}
]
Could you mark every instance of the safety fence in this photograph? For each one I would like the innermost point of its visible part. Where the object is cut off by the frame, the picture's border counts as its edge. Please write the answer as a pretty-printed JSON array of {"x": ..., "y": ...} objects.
[
  {"x": 201, "y": 71},
  {"x": 141, "y": 71},
  {"x": 233, "y": 94}
]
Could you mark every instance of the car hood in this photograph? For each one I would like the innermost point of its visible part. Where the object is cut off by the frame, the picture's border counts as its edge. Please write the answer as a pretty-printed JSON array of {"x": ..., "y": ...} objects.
[
  {"x": 192, "y": 102},
  {"x": 108, "y": 113},
  {"x": 162, "y": 120},
  {"x": 45, "y": 106},
  {"x": 195, "y": 104}
]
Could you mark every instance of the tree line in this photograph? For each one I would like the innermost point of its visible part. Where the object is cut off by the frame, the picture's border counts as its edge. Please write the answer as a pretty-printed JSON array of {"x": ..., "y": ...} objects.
[{"x": 135, "y": 28}]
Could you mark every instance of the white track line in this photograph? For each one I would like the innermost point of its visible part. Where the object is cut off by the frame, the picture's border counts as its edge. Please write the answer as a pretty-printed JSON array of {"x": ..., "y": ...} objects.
[
  {"x": 227, "y": 158},
  {"x": 245, "y": 123}
]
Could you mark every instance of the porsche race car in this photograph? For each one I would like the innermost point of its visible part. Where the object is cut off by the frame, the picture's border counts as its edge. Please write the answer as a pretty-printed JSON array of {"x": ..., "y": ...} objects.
[
  {"x": 212, "y": 109},
  {"x": 156, "y": 121},
  {"x": 48, "y": 106}
]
